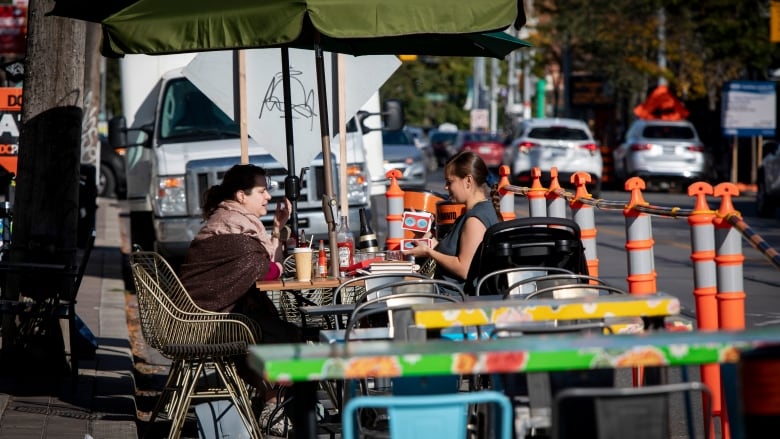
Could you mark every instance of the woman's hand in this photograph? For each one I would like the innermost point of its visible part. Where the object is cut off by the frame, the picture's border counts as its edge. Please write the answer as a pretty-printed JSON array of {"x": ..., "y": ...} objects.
[
  {"x": 282, "y": 214},
  {"x": 420, "y": 249}
]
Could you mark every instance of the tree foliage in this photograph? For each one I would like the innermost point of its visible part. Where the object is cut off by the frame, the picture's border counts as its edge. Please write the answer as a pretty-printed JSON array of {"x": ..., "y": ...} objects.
[
  {"x": 707, "y": 42},
  {"x": 432, "y": 89}
]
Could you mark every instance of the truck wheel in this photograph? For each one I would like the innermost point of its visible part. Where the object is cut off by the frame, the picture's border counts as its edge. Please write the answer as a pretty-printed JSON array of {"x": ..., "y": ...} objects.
[
  {"x": 106, "y": 182},
  {"x": 142, "y": 230}
]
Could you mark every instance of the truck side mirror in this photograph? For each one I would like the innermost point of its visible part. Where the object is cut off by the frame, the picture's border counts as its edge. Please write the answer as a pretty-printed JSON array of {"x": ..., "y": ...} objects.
[
  {"x": 393, "y": 115},
  {"x": 117, "y": 131},
  {"x": 361, "y": 119}
]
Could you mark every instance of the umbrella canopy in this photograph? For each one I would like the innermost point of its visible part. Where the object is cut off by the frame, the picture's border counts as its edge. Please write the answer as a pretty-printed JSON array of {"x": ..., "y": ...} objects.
[{"x": 357, "y": 27}]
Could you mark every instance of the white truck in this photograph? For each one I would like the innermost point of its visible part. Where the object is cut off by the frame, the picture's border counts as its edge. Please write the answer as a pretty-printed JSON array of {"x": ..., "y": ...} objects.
[{"x": 180, "y": 143}]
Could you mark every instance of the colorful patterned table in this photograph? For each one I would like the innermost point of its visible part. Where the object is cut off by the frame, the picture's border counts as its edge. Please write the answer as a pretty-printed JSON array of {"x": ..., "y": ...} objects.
[
  {"x": 476, "y": 313},
  {"x": 305, "y": 364}
]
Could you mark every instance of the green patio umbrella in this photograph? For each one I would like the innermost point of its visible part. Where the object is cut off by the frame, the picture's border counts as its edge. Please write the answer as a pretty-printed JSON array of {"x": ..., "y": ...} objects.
[{"x": 355, "y": 27}]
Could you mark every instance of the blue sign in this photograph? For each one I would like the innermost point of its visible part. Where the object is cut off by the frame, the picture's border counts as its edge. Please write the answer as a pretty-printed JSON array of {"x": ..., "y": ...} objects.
[{"x": 749, "y": 109}]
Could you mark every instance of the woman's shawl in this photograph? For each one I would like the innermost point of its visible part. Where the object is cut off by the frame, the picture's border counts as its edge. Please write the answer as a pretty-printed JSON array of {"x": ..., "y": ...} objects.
[{"x": 221, "y": 269}]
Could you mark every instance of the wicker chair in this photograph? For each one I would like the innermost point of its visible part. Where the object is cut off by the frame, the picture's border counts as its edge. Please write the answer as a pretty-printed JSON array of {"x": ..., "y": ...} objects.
[{"x": 196, "y": 340}]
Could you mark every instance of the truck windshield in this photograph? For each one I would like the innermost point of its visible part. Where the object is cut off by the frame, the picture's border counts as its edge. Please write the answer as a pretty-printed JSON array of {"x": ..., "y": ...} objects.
[{"x": 187, "y": 114}]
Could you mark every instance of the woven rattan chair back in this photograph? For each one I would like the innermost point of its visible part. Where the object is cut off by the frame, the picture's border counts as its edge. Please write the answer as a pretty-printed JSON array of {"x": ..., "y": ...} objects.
[{"x": 194, "y": 339}]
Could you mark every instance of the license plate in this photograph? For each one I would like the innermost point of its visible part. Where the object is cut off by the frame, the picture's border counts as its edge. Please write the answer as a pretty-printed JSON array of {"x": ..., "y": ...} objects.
[{"x": 485, "y": 150}]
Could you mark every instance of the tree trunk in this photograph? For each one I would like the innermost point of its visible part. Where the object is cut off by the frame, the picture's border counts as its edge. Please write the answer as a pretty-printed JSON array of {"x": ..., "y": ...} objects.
[
  {"x": 46, "y": 210},
  {"x": 47, "y": 185}
]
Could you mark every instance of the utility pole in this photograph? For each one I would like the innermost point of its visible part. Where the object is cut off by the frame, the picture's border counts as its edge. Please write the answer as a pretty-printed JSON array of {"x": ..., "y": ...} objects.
[
  {"x": 661, "y": 14},
  {"x": 494, "y": 72}
]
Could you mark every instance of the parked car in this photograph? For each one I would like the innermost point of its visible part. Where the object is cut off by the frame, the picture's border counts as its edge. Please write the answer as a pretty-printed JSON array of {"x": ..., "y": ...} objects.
[
  {"x": 443, "y": 144},
  {"x": 401, "y": 153},
  {"x": 111, "y": 181},
  {"x": 566, "y": 144},
  {"x": 663, "y": 153},
  {"x": 768, "y": 195},
  {"x": 489, "y": 146}
]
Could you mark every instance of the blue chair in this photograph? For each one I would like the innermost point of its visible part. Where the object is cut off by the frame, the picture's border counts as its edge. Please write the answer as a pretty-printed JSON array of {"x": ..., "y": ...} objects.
[{"x": 429, "y": 416}]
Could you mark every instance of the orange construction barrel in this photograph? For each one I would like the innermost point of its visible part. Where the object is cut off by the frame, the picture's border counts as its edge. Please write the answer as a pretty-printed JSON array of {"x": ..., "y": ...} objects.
[{"x": 446, "y": 214}]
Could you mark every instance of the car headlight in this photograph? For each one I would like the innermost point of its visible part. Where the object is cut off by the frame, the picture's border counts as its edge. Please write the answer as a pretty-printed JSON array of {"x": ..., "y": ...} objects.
[
  {"x": 357, "y": 184},
  {"x": 171, "y": 196}
]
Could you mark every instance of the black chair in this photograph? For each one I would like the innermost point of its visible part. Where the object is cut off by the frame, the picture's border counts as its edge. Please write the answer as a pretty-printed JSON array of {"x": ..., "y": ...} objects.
[
  {"x": 527, "y": 242},
  {"x": 47, "y": 295},
  {"x": 635, "y": 412}
]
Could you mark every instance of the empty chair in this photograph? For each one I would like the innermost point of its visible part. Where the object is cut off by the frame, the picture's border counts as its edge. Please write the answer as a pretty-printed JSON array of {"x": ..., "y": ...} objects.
[
  {"x": 354, "y": 290},
  {"x": 635, "y": 412},
  {"x": 528, "y": 242},
  {"x": 516, "y": 280},
  {"x": 430, "y": 416},
  {"x": 402, "y": 294}
]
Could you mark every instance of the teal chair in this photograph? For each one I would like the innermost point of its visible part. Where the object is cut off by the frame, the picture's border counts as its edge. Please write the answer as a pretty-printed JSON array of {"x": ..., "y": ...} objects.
[{"x": 429, "y": 416}]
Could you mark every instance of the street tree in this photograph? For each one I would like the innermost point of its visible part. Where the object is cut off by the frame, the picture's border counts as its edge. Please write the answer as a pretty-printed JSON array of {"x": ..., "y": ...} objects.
[{"x": 46, "y": 200}]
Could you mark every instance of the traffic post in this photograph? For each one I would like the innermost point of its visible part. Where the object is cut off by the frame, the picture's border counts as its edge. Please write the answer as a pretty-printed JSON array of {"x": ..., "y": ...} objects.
[
  {"x": 583, "y": 215},
  {"x": 705, "y": 281},
  {"x": 556, "y": 205},
  {"x": 537, "y": 207},
  {"x": 507, "y": 198}
]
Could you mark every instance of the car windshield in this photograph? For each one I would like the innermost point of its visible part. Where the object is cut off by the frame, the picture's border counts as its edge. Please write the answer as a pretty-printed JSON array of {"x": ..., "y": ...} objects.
[
  {"x": 668, "y": 132},
  {"x": 562, "y": 133},
  {"x": 189, "y": 114},
  {"x": 396, "y": 138}
]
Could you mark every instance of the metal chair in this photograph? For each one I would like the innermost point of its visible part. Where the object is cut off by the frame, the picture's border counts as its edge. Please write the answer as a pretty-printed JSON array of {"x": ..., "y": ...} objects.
[
  {"x": 402, "y": 294},
  {"x": 196, "y": 340},
  {"x": 636, "y": 412},
  {"x": 507, "y": 280},
  {"x": 572, "y": 290},
  {"x": 47, "y": 294},
  {"x": 429, "y": 416},
  {"x": 529, "y": 242},
  {"x": 354, "y": 290}
]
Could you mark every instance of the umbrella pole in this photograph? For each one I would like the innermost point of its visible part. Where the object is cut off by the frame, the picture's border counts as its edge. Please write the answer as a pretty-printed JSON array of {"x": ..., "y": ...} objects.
[
  {"x": 292, "y": 183},
  {"x": 239, "y": 97},
  {"x": 326, "y": 158}
]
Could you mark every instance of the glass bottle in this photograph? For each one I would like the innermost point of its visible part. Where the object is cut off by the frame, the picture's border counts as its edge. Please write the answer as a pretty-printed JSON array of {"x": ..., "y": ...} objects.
[
  {"x": 346, "y": 246},
  {"x": 367, "y": 241},
  {"x": 322, "y": 261},
  {"x": 292, "y": 242}
]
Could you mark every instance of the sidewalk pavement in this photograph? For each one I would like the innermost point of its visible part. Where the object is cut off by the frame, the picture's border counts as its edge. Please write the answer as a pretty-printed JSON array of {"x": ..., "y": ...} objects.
[{"x": 102, "y": 404}]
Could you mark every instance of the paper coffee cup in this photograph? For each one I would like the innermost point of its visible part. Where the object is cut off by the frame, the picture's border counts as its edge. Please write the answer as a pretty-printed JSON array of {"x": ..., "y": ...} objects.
[{"x": 302, "y": 263}]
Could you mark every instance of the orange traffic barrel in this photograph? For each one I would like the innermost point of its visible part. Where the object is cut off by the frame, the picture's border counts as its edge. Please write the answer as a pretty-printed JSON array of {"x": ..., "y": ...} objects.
[
  {"x": 446, "y": 213},
  {"x": 760, "y": 388}
]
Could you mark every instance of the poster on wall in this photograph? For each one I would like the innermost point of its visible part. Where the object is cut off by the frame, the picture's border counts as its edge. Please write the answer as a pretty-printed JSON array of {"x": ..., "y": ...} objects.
[{"x": 10, "y": 116}]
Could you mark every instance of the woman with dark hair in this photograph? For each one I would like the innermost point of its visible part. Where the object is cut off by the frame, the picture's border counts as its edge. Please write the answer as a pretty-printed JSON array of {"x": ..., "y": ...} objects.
[
  {"x": 232, "y": 251},
  {"x": 466, "y": 177}
]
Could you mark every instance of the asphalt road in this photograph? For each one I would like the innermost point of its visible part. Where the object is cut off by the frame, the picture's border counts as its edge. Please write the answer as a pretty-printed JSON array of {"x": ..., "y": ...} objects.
[{"x": 672, "y": 249}]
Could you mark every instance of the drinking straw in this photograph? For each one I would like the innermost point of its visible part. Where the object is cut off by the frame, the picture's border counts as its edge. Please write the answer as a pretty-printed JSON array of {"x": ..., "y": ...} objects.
[{"x": 311, "y": 241}]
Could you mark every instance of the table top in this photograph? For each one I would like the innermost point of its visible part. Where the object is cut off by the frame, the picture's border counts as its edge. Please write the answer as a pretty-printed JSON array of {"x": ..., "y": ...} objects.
[
  {"x": 477, "y": 312},
  {"x": 294, "y": 284},
  {"x": 337, "y": 335},
  {"x": 531, "y": 353}
]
